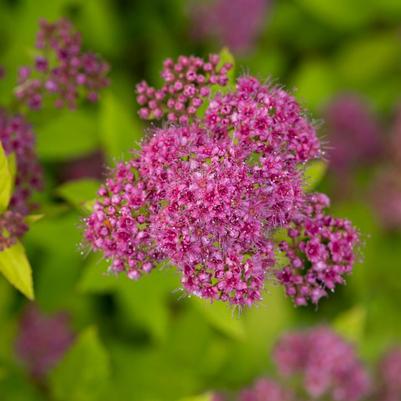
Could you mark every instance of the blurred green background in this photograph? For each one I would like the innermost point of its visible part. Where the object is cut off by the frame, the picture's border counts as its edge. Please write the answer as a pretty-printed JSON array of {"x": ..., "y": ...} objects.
[{"x": 144, "y": 340}]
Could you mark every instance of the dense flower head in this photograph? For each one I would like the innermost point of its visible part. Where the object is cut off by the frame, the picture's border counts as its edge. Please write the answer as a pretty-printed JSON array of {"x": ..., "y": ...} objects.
[
  {"x": 390, "y": 374},
  {"x": 42, "y": 340},
  {"x": 266, "y": 390},
  {"x": 187, "y": 83},
  {"x": 327, "y": 363},
  {"x": 62, "y": 69},
  {"x": 16, "y": 136},
  {"x": 235, "y": 23},
  {"x": 353, "y": 132},
  {"x": 119, "y": 225},
  {"x": 207, "y": 196},
  {"x": 12, "y": 227},
  {"x": 264, "y": 119},
  {"x": 320, "y": 252}
]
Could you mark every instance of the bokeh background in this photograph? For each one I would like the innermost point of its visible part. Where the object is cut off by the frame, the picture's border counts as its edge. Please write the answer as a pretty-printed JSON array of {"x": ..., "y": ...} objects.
[{"x": 146, "y": 340}]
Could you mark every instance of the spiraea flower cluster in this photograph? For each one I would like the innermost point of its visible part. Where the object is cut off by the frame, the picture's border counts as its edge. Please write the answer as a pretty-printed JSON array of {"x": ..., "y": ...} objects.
[
  {"x": 62, "y": 71},
  {"x": 12, "y": 227},
  {"x": 16, "y": 136},
  {"x": 318, "y": 364},
  {"x": 42, "y": 340},
  {"x": 386, "y": 189},
  {"x": 353, "y": 132},
  {"x": 186, "y": 85},
  {"x": 390, "y": 376},
  {"x": 236, "y": 23},
  {"x": 327, "y": 363},
  {"x": 266, "y": 389},
  {"x": 208, "y": 193},
  {"x": 320, "y": 252}
]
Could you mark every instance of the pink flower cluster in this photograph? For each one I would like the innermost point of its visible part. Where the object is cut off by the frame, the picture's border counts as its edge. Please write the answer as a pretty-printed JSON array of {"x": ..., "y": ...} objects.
[
  {"x": 16, "y": 137},
  {"x": 353, "y": 132},
  {"x": 266, "y": 390},
  {"x": 386, "y": 190},
  {"x": 42, "y": 340},
  {"x": 12, "y": 227},
  {"x": 390, "y": 375},
  {"x": 320, "y": 251},
  {"x": 327, "y": 363},
  {"x": 186, "y": 84},
  {"x": 236, "y": 23},
  {"x": 208, "y": 195},
  {"x": 62, "y": 70}
]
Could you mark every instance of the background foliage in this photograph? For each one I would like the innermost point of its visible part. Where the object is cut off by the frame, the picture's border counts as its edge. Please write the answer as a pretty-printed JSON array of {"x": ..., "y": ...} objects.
[{"x": 144, "y": 340}]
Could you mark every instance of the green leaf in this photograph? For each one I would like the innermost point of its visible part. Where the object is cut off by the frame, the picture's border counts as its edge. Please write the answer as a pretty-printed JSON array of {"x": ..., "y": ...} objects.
[
  {"x": 120, "y": 131},
  {"x": 95, "y": 278},
  {"x": 386, "y": 50},
  {"x": 314, "y": 173},
  {"x": 78, "y": 192},
  {"x": 84, "y": 372},
  {"x": 351, "y": 324},
  {"x": 6, "y": 179},
  {"x": 16, "y": 268},
  {"x": 315, "y": 82},
  {"x": 221, "y": 317},
  {"x": 69, "y": 135},
  {"x": 341, "y": 13},
  {"x": 33, "y": 218},
  {"x": 203, "y": 397}
]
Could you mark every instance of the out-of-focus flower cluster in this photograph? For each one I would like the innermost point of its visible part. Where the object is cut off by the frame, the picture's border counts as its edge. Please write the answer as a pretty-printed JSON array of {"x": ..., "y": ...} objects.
[
  {"x": 186, "y": 84},
  {"x": 353, "y": 133},
  {"x": 62, "y": 69},
  {"x": 12, "y": 227},
  {"x": 318, "y": 364},
  {"x": 42, "y": 340},
  {"x": 235, "y": 23},
  {"x": 389, "y": 373},
  {"x": 327, "y": 363},
  {"x": 386, "y": 191},
  {"x": 208, "y": 194},
  {"x": 16, "y": 136}
]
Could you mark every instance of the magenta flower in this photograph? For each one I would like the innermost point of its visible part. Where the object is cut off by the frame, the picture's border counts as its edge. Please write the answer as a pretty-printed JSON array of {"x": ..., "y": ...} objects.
[
  {"x": 327, "y": 363},
  {"x": 320, "y": 252},
  {"x": 62, "y": 70},
  {"x": 235, "y": 23},
  {"x": 208, "y": 196},
  {"x": 186, "y": 84},
  {"x": 42, "y": 340},
  {"x": 16, "y": 136}
]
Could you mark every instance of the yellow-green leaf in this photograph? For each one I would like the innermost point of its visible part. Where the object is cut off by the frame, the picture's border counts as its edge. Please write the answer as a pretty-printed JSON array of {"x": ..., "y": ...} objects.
[
  {"x": 351, "y": 323},
  {"x": 78, "y": 192},
  {"x": 84, "y": 372},
  {"x": 6, "y": 180},
  {"x": 33, "y": 218},
  {"x": 314, "y": 173},
  {"x": 16, "y": 268},
  {"x": 221, "y": 317},
  {"x": 202, "y": 397}
]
